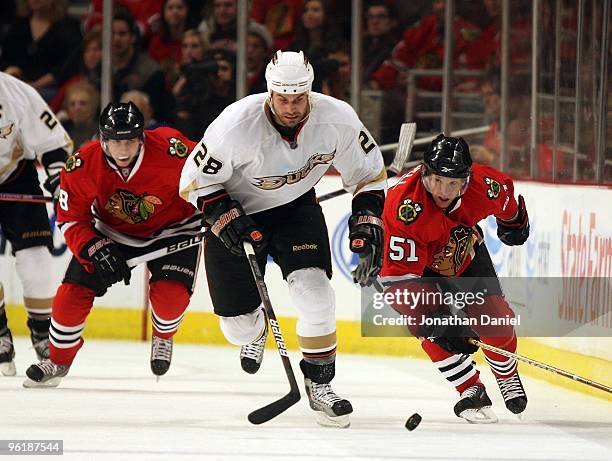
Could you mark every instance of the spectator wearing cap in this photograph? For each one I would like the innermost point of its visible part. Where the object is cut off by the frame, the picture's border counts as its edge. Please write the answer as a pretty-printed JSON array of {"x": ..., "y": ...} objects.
[{"x": 259, "y": 45}]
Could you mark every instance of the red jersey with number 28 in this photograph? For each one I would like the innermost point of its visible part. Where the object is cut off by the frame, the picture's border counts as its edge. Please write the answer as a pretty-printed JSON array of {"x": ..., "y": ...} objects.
[
  {"x": 143, "y": 208},
  {"x": 419, "y": 234}
]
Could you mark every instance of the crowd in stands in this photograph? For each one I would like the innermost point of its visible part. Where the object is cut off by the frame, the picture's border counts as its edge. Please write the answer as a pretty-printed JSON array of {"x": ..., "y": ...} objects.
[{"x": 176, "y": 59}]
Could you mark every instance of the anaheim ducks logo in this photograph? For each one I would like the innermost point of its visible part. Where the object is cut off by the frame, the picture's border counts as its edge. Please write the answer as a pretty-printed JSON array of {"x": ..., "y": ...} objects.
[
  {"x": 131, "y": 208},
  {"x": 409, "y": 211},
  {"x": 73, "y": 162},
  {"x": 494, "y": 188},
  {"x": 276, "y": 182},
  {"x": 178, "y": 147},
  {"x": 452, "y": 255},
  {"x": 6, "y": 130}
]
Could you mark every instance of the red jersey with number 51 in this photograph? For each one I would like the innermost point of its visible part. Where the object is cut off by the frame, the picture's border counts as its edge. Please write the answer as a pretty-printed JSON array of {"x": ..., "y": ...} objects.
[
  {"x": 136, "y": 210},
  {"x": 419, "y": 234}
]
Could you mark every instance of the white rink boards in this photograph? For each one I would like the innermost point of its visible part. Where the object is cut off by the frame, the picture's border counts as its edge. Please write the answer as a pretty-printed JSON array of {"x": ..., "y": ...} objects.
[{"x": 111, "y": 407}]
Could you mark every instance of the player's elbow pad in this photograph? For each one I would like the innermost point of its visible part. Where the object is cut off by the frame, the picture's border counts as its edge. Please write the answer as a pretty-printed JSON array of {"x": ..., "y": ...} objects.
[{"x": 516, "y": 231}]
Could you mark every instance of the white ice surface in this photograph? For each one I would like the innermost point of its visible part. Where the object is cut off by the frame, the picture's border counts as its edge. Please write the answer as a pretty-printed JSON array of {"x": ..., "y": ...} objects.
[{"x": 111, "y": 407}]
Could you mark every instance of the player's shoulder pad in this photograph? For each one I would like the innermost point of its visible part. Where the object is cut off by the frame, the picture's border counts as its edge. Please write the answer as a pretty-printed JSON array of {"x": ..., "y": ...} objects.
[
  {"x": 331, "y": 110},
  {"x": 490, "y": 181},
  {"x": 170, "y": 141},
  {"x": 86, "y": 155}
]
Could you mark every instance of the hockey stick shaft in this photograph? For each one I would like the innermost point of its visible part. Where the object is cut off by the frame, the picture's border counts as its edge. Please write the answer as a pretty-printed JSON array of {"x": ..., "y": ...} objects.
[
  {"x": 544, "y": 366},
  {"x": 404, "y": 147},
  {"x": 9, "y": 197},
  {"x": 172, "y": 248},
  {"x": 273, "y": 409}
]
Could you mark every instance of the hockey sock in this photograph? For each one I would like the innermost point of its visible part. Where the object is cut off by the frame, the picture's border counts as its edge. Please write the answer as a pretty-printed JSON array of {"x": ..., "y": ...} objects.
[
  {"x": 459, "y": 370},
  {"x": 169, "y": 299}
]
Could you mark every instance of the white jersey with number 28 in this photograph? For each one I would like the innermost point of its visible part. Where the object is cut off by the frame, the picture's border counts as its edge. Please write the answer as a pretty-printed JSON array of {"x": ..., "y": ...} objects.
[{"x": 244, "y": 154}]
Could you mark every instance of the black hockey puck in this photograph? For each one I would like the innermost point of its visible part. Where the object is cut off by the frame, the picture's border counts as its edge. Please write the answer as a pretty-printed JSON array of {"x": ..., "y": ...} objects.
[{"x": 413, "y": 422}]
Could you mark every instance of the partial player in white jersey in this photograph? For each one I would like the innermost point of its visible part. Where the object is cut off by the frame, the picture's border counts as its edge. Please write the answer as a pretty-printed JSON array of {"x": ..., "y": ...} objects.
[
  {"x": 253, "y": 176},
  {"x": 28, "y": 132}
]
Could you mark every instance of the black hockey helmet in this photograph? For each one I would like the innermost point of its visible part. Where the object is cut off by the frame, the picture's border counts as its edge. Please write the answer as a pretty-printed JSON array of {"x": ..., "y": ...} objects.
[
  {"x": 448, "y": 156},
  {"x": 121, "y": 121}
]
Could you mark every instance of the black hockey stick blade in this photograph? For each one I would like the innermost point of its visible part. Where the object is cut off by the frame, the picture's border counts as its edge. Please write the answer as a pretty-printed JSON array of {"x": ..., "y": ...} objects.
[{"x": 272, "y": 410}]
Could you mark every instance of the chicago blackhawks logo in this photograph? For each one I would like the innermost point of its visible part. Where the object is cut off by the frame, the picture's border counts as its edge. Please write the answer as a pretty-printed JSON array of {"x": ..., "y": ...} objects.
[
  {"x": 276, "y": 182},
  {"x": 73, "y": 162},
  {"x": 454, "y": 253},
  {"x": 409, "y": 211},
  {"x": 494, "y": 188},
  {"x": 177, "y": 147},
  {"x": 131, "y": 208}
]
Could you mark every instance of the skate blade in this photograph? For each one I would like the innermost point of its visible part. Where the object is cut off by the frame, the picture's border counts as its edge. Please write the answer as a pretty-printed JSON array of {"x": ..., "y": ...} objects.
[
  {"x": 53, "y": 382},
  {"x": 484, "y": 415},
  {"x": 8, "y": 368},
  {"x": 325, "y": 420}
]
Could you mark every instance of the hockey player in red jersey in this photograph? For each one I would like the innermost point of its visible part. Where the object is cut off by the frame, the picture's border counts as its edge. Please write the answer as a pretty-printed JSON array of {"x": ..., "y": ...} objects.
[
  {"x": 119, "y": 199},
  {"x": 433, "y": 244}
]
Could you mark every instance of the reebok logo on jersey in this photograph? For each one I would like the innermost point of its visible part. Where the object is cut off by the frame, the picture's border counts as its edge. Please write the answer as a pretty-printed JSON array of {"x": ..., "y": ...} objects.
[
  {"x": 6, "y": 130},
  {"x": 494, "y": 188},
  {"x": 409, "y": 211},
  {"x": 306, "y": 246},
  {"x": 276, "y": 182}
]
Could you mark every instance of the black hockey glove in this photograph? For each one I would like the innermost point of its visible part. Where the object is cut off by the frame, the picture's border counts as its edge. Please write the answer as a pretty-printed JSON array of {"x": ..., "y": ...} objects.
[
  {"x": 108, "y": 261},
  {"x": 366, "y": 239},
  {"x": 452, "y": 338},
  {"x": 52, "y": 185},
  {"x": 228, "y": 221},
  {"x": 516, "y": 231}
]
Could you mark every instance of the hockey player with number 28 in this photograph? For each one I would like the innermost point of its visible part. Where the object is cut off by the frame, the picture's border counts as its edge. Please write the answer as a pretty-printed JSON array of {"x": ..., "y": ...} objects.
[
  {"x": 253, "y": 177},
  {"x": 28, "y": 131},
  {"x": 432, "y": 240},
  {"x": 118, "y": 199}
]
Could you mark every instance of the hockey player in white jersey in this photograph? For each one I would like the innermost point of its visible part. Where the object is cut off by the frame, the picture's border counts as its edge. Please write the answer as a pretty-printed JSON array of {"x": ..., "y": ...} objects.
[
  {"x": 253, "y": 176},
  {"x": 28, "y": 132}
]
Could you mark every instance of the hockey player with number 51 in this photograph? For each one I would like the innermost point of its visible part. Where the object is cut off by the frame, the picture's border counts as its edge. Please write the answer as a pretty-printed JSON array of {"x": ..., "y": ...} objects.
[
  {"x": 253, "y": 177},
  {"x": 432, "y": 243}
]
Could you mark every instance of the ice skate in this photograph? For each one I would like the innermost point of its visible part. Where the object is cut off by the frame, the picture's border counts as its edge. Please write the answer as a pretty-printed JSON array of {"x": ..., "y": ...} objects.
[
  {"x": 45, "y": 374},
  {"x": 161, "y": 355},
  {"x": 513, "y": 393},
  {"x": 7, "y": 354},
  {"x": 331, "y": 409},
  {"x": 475, "y": 406},
  {"x": 39, "y": 335},
  {"x": 251, "y": 355}
]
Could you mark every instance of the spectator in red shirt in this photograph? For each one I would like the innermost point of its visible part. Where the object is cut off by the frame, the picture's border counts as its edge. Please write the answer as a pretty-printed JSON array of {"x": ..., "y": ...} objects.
[
  {"x": 280, "y": 17},
  {"x": 422, "y": 47},
  {"x": 166, "y": 45},
  {"x": 146, "y": 14}
]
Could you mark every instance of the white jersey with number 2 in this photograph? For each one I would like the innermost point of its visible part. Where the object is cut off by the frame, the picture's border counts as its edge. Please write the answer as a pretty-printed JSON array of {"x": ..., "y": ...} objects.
[
  {"x": 244, "y": 154},
  {"x": 28, "y": 128}
]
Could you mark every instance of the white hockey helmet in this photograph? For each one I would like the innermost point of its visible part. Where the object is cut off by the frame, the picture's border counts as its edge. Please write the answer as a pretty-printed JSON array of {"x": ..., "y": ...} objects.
[{"x": 289, "y": 73}]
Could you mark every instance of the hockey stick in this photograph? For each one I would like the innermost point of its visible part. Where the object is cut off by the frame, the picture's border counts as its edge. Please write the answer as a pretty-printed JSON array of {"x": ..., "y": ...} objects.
[
  {"x": 535, "y": 363},
  {"x": 263, "y": 414},
  {"x": 8, "y": 197},
  {"x": 404, "y": 147},
  {"x": 172, "y": 248}
]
